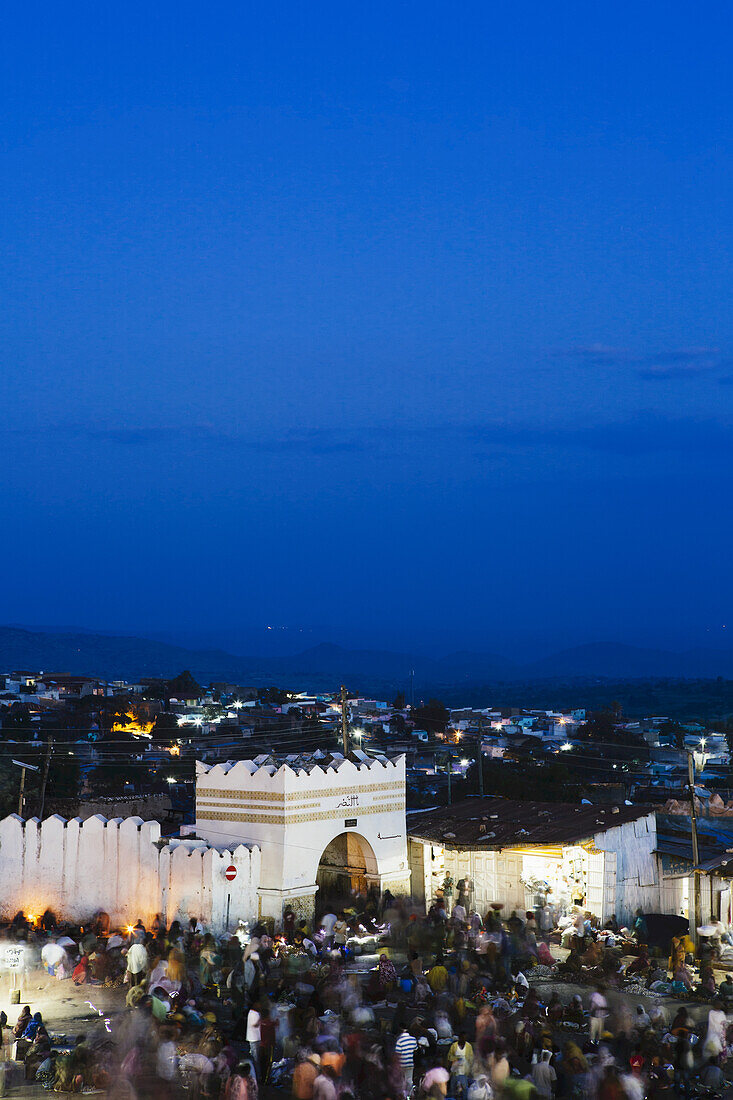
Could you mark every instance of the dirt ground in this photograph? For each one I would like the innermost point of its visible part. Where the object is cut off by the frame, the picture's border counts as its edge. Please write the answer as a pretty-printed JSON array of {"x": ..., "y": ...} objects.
[{"x": 67, "y": 1010}]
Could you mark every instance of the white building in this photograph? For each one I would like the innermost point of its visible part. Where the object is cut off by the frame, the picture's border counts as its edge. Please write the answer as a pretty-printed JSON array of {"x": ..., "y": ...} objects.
[
  {"x": 512, "y": 852},
  {"x": 320, "y": 820}
]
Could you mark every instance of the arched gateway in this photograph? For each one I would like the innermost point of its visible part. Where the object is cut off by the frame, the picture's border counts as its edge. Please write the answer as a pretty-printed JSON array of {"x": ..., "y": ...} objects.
[
  {"x": 323, "y": 822},
  {"x": 347, "y": 867}
]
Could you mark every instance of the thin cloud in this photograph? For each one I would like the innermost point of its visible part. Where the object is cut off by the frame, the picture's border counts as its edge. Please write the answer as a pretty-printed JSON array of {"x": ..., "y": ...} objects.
[
  {"x": 681, "y": 363},
  {"x": 646, "y": 434},
  {"x": 316, "y": 441},
  {"x": 597, "y": 355},
  {"x": 639, "y": 436},
  {"x": 656, "y": 366}
]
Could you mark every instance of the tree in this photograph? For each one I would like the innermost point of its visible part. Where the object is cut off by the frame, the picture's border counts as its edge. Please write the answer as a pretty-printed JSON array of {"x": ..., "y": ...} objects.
[
  {"x": 273, "y": 696},
  {"x": 17, "y": 723},
  {"x": 432, "y": 716},
  {"x": 183, "y": 686},
  {"x": 399, "y": 701},
  {"x": 601, "y": 726}
]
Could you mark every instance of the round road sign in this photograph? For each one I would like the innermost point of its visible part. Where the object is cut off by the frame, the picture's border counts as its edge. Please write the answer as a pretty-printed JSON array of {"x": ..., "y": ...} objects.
[{"x": 231, "y": 873}]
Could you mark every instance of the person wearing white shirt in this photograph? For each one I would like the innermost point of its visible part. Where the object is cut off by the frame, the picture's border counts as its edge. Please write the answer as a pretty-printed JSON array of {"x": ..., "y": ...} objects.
[
  {"x": 253, "y": 1033},
  {"x": 328, "y": 920},
  {"x": 137, "y": 963}
]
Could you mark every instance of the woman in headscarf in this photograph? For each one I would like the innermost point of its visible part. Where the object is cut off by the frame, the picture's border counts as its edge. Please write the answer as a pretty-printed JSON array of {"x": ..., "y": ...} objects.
[
  {"x": 208, "y": 960},
  {"x": 676, "y": 954},
  {"x": 640, "y": 964},
  {"x": 39, "y": 1051},
  {"x": 23, "y": 1020},
  {"x": 387, "y": 974},
  {"x": 33, "y": 1026}
]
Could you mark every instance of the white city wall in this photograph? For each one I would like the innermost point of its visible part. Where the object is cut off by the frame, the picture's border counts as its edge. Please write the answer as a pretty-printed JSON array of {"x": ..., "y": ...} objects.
[{"x": 121, "y": 866}]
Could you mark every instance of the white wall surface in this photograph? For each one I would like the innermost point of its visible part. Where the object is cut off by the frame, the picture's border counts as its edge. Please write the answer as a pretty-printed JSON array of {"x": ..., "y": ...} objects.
[
  {"x": 121, "y": 866},
  {"x": 637, "y": 877}
]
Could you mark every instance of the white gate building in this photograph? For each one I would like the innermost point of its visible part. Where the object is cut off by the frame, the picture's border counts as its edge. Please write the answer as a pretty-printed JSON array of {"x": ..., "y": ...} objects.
[{"x": 321, "y": 821}]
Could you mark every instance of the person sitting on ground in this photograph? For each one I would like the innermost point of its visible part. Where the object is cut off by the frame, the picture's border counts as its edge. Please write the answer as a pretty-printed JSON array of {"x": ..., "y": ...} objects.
[
  {"x": 641, "y": 963},
  {"x": 707, "y": 986},
  {"x": 39, "y": 1051},
  {"x": 726, "y": 988},
  {"x": 33, "y": 1025},
  {"x": 712, "y": 1076},
  {"x": 574, "y": 1012},
  {"x": 682, "y": 978},
  {"x": 23, "y": 1020}
]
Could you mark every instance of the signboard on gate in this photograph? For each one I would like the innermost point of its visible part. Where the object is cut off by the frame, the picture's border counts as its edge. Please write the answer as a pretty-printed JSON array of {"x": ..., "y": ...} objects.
[{"x": 231, "y": 873}]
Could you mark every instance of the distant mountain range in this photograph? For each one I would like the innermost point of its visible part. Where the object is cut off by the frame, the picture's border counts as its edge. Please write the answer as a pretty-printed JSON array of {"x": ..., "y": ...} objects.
[{"x": 324, "y": 667}]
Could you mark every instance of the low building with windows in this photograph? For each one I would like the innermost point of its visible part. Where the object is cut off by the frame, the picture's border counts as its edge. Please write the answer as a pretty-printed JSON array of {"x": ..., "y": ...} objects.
[{"x": 523, "y": 854}]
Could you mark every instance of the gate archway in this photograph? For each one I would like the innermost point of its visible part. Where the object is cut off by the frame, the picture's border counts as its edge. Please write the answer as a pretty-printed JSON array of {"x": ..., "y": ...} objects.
[{"x": 347, "y": 867}]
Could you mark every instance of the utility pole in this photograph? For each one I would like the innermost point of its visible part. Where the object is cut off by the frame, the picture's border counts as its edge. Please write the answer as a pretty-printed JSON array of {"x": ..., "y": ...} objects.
[
  {"x": 23, "y": 769},
  {"x": 480, "y": 756},
  {"x": 21, "y": 797},
  {"x": 450, "y": 772},
  {"x": 46, "y": 765},
  {"x": 695, "y": 849},
  {"x": 344, "y": 722}
]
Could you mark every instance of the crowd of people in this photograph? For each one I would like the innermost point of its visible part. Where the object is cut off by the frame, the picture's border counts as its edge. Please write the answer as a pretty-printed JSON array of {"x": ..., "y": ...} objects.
[{"x": 380, "y": 1002}]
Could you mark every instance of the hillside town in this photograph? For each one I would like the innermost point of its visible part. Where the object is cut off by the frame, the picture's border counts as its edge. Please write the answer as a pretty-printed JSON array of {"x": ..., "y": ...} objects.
[{"x": 300, "y": 889}]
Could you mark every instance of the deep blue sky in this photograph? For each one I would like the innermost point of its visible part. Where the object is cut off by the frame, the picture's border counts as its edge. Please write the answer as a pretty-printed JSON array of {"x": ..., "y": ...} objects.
[{"x": 410, "y": 321}]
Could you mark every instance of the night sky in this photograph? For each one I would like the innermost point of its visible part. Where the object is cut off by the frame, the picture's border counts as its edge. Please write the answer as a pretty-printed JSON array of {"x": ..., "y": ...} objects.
[{"x": 410, "y": 324}]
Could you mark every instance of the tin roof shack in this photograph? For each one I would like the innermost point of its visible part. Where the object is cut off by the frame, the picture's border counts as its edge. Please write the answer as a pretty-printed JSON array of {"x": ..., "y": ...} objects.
[
  {"x": 674, "y": 855},
  {"x": 525, "y": 853}
]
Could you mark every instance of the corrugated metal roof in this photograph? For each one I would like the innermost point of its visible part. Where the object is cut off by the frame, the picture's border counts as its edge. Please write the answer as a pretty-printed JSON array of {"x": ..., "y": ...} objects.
[
  {"x": 714, "y": 835},
  {"x": 488, "y": 823}
]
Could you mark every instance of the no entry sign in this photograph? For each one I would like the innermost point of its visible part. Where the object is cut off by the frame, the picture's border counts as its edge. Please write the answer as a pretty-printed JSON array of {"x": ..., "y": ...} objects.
[{"x": 231, "y": 873}]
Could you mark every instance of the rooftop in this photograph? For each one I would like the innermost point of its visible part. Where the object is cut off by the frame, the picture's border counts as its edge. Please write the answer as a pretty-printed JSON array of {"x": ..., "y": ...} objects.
[
  {"x": 488, "y": 823},
  {"x": 298, "y": 762}
]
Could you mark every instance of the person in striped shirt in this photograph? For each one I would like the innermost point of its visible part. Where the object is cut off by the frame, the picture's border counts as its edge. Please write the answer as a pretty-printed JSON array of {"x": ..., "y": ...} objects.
[{"x": 405, "y": 1048}]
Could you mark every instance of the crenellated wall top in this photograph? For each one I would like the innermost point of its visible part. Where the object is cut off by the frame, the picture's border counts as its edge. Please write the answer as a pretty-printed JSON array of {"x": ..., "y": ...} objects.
[{"x": 315, "y": 771}]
